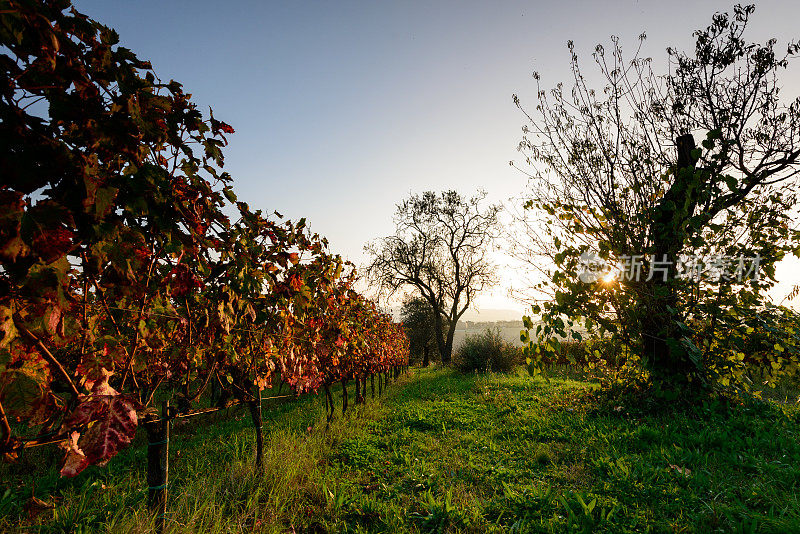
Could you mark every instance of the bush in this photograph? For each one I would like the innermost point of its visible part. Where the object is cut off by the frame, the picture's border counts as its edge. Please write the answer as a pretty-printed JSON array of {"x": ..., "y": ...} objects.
[
  {"x": 487, "y": 351},
  {"x": 591, "y": 352}
]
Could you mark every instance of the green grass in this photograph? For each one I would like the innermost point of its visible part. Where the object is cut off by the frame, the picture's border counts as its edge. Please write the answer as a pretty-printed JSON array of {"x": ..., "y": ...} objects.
[{"x": 445, "y": 452}]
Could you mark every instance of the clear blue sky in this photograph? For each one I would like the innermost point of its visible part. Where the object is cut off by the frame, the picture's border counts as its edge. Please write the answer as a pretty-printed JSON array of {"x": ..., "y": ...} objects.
[{"x": 341, "y": 109}]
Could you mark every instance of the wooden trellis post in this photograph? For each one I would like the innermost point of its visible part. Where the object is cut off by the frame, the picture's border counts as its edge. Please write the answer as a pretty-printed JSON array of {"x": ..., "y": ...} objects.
[
  {"x": 344, "y": 396},
  {"x": 158, "y": 466},
  {"x": 255, "y": 414}
]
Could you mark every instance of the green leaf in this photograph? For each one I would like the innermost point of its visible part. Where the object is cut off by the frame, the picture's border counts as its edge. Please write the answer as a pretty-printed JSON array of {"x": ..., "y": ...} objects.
[
  {"x": 526, "y": 321},
  {"x": 25, "y": 392},
  {"x": 8, "y": 330},
  {"x": 229, "y": 194},
  {"x": 104, "y": 200}
]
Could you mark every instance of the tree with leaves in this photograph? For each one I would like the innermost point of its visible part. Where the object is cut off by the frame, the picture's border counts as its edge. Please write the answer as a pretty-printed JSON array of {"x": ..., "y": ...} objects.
[
  {"x": 440, "y": 251},
  {"x": 417, "y": 317},
  {"x": 701, "y": 162}
]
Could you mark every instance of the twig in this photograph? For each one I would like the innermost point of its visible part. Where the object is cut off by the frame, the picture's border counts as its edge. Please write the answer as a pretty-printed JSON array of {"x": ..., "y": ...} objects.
[
  {"x": 47, "y": 354},
  {"x": 4, "y": 426},
  {"x": 193, "y": 398},
  {"x": 129, "y": 363},
  {"x": 116, "y": 326},
  {"x": 150, "y": 398}
]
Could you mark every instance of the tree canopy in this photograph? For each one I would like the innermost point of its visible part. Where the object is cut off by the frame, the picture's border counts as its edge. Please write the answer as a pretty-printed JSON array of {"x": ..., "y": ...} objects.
[{"x": 689, "y": 232}]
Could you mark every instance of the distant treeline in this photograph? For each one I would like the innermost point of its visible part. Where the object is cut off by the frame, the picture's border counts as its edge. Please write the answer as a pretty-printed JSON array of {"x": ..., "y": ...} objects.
[{"x": 481, "y": 325}]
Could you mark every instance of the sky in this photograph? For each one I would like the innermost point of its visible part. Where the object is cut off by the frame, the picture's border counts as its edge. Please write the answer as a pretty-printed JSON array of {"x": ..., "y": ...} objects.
[{"x": 342, "y": 109}]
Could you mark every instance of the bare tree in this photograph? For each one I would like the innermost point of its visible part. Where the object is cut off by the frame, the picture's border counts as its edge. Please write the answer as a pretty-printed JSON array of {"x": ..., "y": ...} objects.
[{"x": 440, "y": 252}]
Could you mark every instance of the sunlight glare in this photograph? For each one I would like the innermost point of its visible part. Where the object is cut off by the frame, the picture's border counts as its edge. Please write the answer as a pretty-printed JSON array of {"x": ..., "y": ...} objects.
[{"x": 610, "y": 276}]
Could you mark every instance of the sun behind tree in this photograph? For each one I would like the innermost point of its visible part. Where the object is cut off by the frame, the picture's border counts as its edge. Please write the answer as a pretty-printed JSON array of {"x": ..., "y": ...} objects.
[{"x": 689, "y": 181}]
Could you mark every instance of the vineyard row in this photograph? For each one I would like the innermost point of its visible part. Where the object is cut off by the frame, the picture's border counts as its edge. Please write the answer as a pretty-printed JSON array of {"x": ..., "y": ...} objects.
[{"x": 130, "y": 271}]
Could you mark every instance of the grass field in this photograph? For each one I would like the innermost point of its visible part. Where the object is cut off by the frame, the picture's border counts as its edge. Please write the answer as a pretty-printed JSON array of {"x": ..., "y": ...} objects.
[{"x": 446, "y": 453}]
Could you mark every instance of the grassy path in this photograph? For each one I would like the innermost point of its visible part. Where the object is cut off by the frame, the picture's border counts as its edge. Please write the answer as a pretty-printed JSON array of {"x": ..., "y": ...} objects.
[{"x": 445, "y": 452}]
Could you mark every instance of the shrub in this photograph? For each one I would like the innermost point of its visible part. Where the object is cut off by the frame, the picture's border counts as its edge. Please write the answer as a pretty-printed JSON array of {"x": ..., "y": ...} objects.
[
  {"x": 487, "y": 351},
  {"x": 590, "y": 352}
]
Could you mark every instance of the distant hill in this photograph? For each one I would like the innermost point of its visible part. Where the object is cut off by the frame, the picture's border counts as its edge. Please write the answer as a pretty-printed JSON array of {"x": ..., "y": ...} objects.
[
  {"x": 492, "y": 316},
  {"x": 482, "y": 316},
  {"x": 475, "y": 322},
  {"x": 509, "y": 322}
]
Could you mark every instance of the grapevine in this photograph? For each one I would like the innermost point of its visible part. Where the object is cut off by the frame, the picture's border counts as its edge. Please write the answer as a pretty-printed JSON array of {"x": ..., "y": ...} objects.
[{"x": 121, "y": 276}]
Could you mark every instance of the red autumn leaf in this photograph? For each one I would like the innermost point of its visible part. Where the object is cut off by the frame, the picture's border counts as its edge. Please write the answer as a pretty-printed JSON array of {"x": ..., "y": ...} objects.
[
  {"x": 295, "y": 283},
  {"x": 75, "y": 460},
  {"x": 219, "y": 126},
  {"x": 52, "y": 318},
  {"x": 182, "y": 280},
  {"x": 52, "y": 243},
  {"x": 112, "y": 424}
]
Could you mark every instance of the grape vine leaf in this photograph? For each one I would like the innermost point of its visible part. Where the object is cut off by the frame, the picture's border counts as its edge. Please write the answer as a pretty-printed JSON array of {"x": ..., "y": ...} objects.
[{"x": 112, "y": 421}]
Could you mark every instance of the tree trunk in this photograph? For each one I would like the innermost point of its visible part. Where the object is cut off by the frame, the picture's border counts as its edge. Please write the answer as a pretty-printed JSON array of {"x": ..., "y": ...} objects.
[
  {"x": 451, "y": 332},
  {"x": 441, "y": 344},
  {"x": 426, "y": 350},
  {"x": 666, "y": 349}
]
